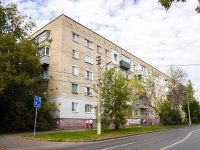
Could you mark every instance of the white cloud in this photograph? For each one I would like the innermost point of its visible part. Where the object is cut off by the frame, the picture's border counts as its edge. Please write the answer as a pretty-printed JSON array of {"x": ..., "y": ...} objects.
[{"x": 144, "y": 28}]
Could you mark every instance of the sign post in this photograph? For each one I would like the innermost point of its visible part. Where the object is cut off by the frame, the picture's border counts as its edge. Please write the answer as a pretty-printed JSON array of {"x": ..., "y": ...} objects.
[{"x": 37, "y": 104}]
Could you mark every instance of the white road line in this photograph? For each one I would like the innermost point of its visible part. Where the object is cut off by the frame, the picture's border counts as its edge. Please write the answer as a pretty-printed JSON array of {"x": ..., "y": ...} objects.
[
  {"x": 179, "y": 141},
  {"x": 117, "y": 146}
]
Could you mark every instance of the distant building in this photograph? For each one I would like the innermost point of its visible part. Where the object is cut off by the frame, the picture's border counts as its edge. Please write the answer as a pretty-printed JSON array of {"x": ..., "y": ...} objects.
[{"x": 69, "y": 57}]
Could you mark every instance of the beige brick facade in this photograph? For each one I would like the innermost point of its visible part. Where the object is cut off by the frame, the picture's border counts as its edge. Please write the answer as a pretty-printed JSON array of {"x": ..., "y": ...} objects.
[{"x": 62, "y": 60}]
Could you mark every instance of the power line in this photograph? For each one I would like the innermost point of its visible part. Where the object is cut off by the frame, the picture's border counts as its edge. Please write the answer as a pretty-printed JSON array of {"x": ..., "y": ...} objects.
[{"x": 179, "y": 65}]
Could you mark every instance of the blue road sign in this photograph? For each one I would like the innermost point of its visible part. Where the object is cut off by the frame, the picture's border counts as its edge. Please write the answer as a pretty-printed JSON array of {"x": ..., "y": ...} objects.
[{"x": 37, "y": 101}]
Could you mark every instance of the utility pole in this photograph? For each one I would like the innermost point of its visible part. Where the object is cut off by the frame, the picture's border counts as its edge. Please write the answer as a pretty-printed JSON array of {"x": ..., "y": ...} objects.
[
  {"x": 99, "y": 99},
  {"x": 188, "y": 110}
]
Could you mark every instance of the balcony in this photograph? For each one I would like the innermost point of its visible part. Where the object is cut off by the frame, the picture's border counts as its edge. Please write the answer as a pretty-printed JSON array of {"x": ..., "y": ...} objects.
[
  {"x": 45, "y": 60},
  {"x": 142, "y": 106},
  {"x": 44, "y": 77},
  {"x": 124, "y": 65}
]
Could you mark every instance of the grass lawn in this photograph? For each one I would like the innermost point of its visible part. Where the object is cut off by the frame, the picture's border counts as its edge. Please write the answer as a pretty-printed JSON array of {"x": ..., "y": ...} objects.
[{"x": 92, "y": 134}]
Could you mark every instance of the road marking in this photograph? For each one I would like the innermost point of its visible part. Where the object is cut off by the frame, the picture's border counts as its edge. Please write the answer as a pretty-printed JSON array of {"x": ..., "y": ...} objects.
[
  {"x": 179, "y": 141},
  {"x": 117, "y": 146}
]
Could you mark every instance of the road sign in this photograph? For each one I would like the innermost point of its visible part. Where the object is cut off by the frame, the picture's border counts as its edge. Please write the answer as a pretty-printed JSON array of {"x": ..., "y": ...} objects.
[{"x": 37, "y": 101}]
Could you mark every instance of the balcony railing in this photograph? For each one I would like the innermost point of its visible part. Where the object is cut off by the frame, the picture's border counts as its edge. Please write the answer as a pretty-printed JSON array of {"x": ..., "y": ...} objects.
[
  {"x": 42, "y": 77},
  {"x": 124, "y": 65},
  {"x": 45, "y": 60},
  {"x": 142, "y": 106}
]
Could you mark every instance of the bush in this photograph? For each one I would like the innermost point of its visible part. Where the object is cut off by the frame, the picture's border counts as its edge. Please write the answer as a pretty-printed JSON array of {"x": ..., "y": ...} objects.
[{"x": 172, "y": 117}]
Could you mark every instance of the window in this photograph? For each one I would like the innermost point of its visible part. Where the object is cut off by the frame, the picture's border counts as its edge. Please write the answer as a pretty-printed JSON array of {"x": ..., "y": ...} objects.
[
  {"x": 135, "y": 67},
  {"x": 74, "y": 107},
  {"x": 108, "y": 66},
  {"x": 75, "y": 54},
  {"x": 44, "y": 51},
  {"x": 129, "y": 76},
  {"x": 88, "y": 59},
  {"x": 74, "y": 88},
  {"x": 107, "y": 53},
  {"x": 132, "y": 112},
  {"x": 74, "y": 71},
  {"x": 137, "y": 113},
  {"x": 88, "y": 91},
  {"x": 115, "y": 57},
  {"x": 88, "y": 74},
  {"x": 115, "y": 68},
  {"x": 124, "y": 73},
  {"x": 143, "y": 112},
  {"x": 98, "y": 49},
  {"x": 43, "y": 36},
  {"x": 88, "y": 108},
  {"x": 75, "y": 37},
  {"x": 143, "y": 68},
  {"x": 88, "y": 44}
]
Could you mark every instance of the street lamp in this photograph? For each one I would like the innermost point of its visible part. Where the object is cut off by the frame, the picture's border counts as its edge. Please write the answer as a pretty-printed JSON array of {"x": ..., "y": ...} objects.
[{"x": 99, "y": 98}]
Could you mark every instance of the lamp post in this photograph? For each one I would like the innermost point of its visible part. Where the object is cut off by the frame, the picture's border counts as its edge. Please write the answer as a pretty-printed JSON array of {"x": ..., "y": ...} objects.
[{"x": 99, "y": 98}]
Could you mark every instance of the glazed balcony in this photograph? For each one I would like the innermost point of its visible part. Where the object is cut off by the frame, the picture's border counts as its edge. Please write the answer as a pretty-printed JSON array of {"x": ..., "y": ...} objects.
[{"x": 124, "y": 65}]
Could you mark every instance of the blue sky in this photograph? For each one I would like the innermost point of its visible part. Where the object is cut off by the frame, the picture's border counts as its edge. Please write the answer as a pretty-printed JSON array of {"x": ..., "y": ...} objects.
[{"x": 142, "y": 27}]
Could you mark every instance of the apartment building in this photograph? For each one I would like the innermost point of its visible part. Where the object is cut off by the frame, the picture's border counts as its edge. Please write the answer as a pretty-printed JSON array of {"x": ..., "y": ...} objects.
[{"x": 69, "y": 58}]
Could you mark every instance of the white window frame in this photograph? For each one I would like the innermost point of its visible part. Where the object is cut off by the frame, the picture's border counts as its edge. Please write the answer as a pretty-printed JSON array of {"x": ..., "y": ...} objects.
[
  {"x": 75, "y": 54},
  {"x": 143, "y": 68},
  {"x": 74, "y": 72},
  {"x": 42, "y": 37},
  {"x": 88, "y": 74},
  {"x": 115, "y": 69},
  {"x": 88, "y": 108},
  {"x": 143, "y": 112},
  {"x": 74, "y": 90},
  {"x": 107, "y": 52},
  {"x": 124, "y": 73},
  {"x": 74, "y": 107},
  {"x": 88, "y": 59},
  {"x": 98, "y": 49},
  {"x": 88, "y": 91},
  {"x": 45, "y": 51},
  {"x": 137, "y": 113},
  {"x": 75, "y": 37},
  {"x": 130, "y": 75},
  {"x": 88, "y": 43}
]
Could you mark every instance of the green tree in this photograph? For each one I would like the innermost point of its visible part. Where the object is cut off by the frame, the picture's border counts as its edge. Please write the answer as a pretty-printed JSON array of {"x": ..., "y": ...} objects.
[
  {"x": 167, "y": 4},
  {"x": 176, "y": 89},
  {"x": 18, "y": 67},
  {"x": 169, "y": 115},
  {"x": 115, "y": 93},
  {"x": 145, "y": 93},
  {"x": 144, "y": 89},
  {"x": 12, "y": 23},
  {"x": 194, "y": 105}
]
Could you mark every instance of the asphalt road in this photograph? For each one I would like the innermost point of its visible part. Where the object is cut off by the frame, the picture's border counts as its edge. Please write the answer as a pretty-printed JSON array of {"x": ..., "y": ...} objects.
[{"x": 176, "y": 139}]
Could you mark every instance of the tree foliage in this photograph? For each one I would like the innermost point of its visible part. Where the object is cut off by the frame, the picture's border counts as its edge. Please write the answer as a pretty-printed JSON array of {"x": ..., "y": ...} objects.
[
  {"x": 115, "y": 93},
  {"x": 12, "y": 23},
  {"x": 144, "y": 89},
  {"x": 167, "y": 4},
  {"x": 145, "y": 93},
  {"x": 176, "y": 87},
  {"x": 169, "y": 115},
  {"x": 18, "y": 67},
  {"x": 193, "y": 104}
]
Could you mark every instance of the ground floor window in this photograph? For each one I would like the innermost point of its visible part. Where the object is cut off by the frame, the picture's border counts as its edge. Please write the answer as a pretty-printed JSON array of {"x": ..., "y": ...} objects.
[
  {"x": 74, "y": 107},
  {"x": 88, "y": 108}
]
